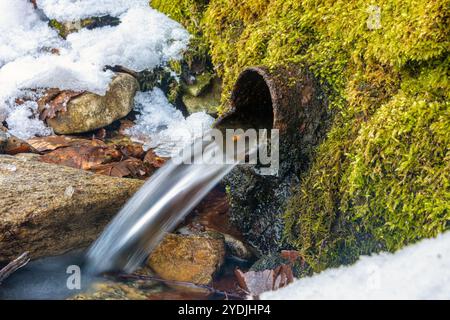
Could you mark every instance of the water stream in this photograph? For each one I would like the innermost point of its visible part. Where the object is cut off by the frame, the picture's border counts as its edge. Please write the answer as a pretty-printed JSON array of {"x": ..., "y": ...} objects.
[{"x": 159, "y": 206}]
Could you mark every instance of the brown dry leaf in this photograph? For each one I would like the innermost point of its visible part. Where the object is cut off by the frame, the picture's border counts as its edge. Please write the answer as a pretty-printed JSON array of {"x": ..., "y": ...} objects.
[
  {"x": 55, "y": 51},
  {"x": 82, "y": 156},
  {"x": 290, "y": 255},
  {"x": 258, "y": 282},
  {"x": 57, "y": 103},
  {"x": 50, "y": 143},
  {"x": 228, "y": 283},
  {"x": 48, "y": 96},
  {"x": 153, "y": 160},
  {"x": 34, "y": 4},
  {"x": 132, "y": 151},
  {"x": 127, "y": 168}
]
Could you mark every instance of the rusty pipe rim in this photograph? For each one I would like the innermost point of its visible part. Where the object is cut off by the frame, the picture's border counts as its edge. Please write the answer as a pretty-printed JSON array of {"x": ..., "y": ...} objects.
[
  {"x": 264, "y": 73},
  {"x": 258, "y": 97}
]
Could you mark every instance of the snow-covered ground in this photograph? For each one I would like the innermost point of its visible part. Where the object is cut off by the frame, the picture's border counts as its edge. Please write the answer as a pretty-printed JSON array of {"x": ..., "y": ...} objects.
[
  {"x": 68, "y": 10},
  {"x": 162, "y": 127},
  {"x": 420, "y": 271},
  {"x": 143, "y": 40}
]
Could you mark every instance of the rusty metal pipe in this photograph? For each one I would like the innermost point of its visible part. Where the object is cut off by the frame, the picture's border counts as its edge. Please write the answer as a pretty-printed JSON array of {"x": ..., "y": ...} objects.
[{"x": 290, "y": 99}]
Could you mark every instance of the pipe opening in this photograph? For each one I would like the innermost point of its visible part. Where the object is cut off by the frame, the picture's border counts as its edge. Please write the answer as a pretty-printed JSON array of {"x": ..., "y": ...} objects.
[{"x": 252, "y": 105}]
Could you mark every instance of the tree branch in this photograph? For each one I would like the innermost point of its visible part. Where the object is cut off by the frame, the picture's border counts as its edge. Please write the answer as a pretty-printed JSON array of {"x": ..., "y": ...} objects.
[
  {"x": 14, "y": 265},
  {"x": 210, "y": 289}
]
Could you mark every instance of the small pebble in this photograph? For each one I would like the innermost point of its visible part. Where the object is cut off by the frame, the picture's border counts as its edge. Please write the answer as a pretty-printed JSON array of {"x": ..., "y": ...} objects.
[{"x": 68, "y": 193}]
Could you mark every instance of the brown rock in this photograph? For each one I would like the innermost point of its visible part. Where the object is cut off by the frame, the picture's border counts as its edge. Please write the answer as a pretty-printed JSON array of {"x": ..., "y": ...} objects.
[
  {"x": 90, "y": 111},
  {"x": 193, "y": 258},
  {"x": 48, "y": 209},
  {"x": 12, "y": 145}
]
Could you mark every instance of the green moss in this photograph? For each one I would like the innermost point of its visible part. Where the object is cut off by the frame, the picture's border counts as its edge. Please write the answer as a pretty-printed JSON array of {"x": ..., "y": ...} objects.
[
  {"x": 380, "y": 179},
  {"x": 57, "y": 26}
]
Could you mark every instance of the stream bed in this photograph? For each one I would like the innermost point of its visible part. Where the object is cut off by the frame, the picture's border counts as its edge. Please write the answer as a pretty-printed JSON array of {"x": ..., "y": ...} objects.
[{"x": 52, "y": 277}]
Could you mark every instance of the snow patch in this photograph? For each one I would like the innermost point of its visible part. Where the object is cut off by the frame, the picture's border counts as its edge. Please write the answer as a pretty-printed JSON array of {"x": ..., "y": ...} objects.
[
  {"x": 162, "y": 127},
  {"x": 420, "y": 271},
  {"x": 144, "y": 39},
  {"x": 24, "y": 123},
  {"x": 22, "y": 31},
  {"x": 71, "y": 10}
]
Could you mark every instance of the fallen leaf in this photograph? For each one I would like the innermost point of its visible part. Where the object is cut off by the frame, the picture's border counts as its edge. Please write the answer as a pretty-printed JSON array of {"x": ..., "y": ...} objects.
[
  {"x": 290, "y": 255},
  {"x": 258, "y": 282},
  {"x": 228, "y": 283},
  {"x": 56, "y": 104},
  {"x": 48, "y": 96},
  {"x": 55, "y": 51},
  {"x": 82, "y": 156},
  {"x": 132, "y": 151},
  {"x": 153, "y": 160},
  {"x": 127, "y": 168},
  {"x": 50, "y": 143}
]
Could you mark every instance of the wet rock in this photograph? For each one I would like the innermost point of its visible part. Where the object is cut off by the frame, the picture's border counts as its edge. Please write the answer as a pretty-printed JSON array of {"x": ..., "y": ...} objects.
[
  {"x": 12, "y": 145},
  {"x": 237, "y": 248},
  {"x": 208, "y": 100},
  {"x": 161, "y": 77},
  {"x": 67, "y": 27},
  {"x": 193, "y": 258},
  {"x": 48, "y": 209},
  {"x": 90, "y": 111},
  {"x": 234, "y": 247},
  {"x": 199, "y": 84}
]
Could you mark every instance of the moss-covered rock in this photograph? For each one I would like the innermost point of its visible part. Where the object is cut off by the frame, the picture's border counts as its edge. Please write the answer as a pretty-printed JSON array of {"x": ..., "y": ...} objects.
[
  {"x": 208, "y": 101},
  {"x": 380, "y": 179},
  {"x": 199, "y": 84}
]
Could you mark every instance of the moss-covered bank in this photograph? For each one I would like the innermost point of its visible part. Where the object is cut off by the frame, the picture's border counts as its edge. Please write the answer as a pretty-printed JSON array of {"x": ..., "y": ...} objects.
[{"x": 381, "y": 179}]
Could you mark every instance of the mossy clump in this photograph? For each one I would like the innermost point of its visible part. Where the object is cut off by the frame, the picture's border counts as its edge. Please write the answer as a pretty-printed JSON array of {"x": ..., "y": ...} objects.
[{"x": 380, "y": 179}]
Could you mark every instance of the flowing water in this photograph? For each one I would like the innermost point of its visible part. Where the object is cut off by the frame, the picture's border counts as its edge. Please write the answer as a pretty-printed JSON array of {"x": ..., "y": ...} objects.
[{"x": 158, "y": 207}]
